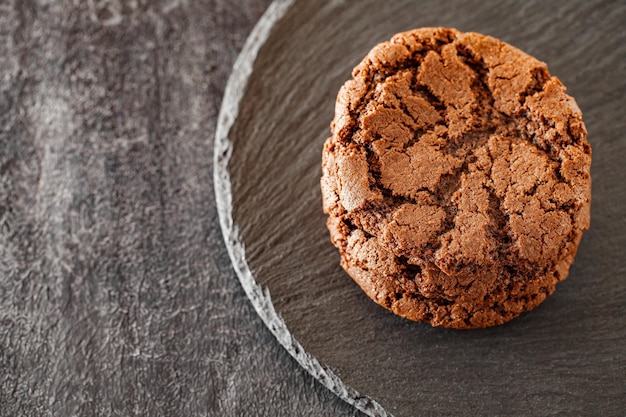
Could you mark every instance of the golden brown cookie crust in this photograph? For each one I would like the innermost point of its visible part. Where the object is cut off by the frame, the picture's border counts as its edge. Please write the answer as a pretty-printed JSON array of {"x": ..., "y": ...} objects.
[{"x": 456, "y": 179}]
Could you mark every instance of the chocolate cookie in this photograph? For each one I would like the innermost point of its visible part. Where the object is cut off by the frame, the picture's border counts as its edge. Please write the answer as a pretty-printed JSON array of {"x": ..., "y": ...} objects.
[{"x": 456, "y": 179}]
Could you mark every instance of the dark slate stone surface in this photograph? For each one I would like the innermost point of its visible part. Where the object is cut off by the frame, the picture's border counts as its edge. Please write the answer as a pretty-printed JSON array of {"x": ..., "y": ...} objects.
[
  {"x": 117, "y": 296},
  {"x": 567, "y": 357}
]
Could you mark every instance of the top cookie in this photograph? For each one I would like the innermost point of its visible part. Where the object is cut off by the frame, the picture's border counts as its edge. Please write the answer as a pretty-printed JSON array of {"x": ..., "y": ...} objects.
[{"x": 456, "y": 179}]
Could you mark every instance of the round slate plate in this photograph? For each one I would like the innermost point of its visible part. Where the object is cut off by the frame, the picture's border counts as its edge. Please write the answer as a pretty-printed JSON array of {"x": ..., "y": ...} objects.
[{"x": 565, "y": 357}]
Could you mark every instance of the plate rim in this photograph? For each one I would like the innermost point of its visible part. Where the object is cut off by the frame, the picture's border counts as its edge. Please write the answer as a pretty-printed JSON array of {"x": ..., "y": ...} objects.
[{"x": 258, "y": 295}]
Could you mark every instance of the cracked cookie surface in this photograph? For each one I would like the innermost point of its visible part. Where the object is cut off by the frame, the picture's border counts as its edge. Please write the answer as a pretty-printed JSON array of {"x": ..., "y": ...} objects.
[{"x": 456, "y": 179}]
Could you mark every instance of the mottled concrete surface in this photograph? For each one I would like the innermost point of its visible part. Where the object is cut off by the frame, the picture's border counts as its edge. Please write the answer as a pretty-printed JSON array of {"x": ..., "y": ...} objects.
[{"x": 117, "y": 296}]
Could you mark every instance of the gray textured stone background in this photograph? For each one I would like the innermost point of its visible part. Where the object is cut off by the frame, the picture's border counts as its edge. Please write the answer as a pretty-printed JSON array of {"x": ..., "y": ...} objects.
[{"x": 117, "y": 296}]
